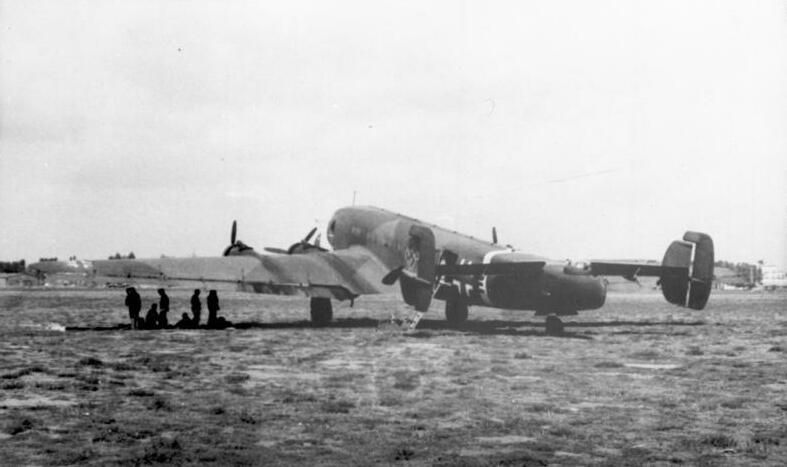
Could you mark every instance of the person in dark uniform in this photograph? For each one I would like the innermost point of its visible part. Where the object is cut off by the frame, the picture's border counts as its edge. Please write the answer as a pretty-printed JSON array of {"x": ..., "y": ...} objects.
[
  {"x": 163, "y": 308},
  {"x": 222, "y": 323},
  {"x": 213, "y": 309},
  {"x": 134, "y": 304},
  {"x": 151, "y": 318},
  {"x": 196, "y": 308},
  {"x": 184, "y": 323}
]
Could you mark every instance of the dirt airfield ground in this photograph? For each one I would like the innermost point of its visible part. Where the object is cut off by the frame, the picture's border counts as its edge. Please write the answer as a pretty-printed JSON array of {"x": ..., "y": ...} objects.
[{"x": 636, "y": 383}]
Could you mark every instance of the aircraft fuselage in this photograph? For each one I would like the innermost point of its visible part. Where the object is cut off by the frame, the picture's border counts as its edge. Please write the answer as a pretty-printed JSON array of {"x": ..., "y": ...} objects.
[{"x": 553, "y": 289}]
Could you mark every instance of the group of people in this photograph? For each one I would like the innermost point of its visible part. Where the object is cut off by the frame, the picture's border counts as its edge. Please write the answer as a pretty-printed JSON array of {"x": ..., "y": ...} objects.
[{"x": 156, "y": 317}]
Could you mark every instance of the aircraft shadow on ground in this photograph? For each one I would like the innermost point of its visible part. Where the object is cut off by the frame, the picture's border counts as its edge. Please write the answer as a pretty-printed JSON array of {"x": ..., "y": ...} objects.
[{"x": 427, "y": 327}]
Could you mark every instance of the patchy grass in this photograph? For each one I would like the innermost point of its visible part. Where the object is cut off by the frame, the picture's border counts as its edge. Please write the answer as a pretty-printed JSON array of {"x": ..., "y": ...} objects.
[
  {"x": 624, "y": 387},
  {"x": 91, "y": 361},
  {"x": 25, "y": 371},
  {"x": 162, "y": 451},
  {"x": 235, "y": 378},
  {"x": 11, "y": 385},
  {"x": 19, "y": 425},
  {"x": 405, "y": 380},
  {"x": 340, "y": 406},
  {"x": 608, "y": 365}
]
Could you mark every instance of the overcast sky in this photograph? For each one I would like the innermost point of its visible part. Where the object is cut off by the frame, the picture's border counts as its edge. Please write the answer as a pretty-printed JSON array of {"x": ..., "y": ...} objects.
[{"x": 579, "y": 129}]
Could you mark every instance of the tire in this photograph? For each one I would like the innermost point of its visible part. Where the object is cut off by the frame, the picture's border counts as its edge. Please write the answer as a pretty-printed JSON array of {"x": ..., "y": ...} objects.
[
  {"x": 321, "y": 311},
  {"x": 554, "y": 326},
  {"x": 455, "y": 312}
]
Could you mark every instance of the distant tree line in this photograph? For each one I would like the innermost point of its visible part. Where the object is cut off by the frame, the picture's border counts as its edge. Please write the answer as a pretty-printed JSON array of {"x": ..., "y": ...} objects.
[
  {"x": 119, "y": 256},
  {"x": 745, "y": 273},
  {"x": 12, "y": 266}
]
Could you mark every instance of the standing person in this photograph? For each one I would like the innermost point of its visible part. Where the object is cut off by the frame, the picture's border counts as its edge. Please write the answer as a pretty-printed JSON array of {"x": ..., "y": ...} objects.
[
  {"x": 163, "y": 308},
  {"x": 213, "y": 308},
  {"x": 134, "y": 304},
  {"x": 196, "y": 308}
]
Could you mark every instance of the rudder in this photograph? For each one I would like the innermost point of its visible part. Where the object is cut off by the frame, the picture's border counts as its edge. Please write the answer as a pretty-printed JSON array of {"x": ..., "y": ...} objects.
[
  {"x": 702, "y": 270},
  {"x": 687, "y": 271}
]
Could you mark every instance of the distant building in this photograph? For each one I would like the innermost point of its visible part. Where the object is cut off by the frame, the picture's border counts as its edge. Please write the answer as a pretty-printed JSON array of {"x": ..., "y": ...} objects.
[
  {"x": 69, "y": 279},
  {"x": 728, "y": 279},
  {"x": 16, "y": 280},
  {"x": 773, "y": 277}
]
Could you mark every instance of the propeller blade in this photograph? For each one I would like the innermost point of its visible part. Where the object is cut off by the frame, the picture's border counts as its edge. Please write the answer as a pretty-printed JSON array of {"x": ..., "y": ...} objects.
[
  {"x": 494, "y": 235},
  {"x": 233, "y": 232},
  {"x": 309, "y": 235},
  {"x": 393, "y": 276},
  {"x": 317, "y": 240}
]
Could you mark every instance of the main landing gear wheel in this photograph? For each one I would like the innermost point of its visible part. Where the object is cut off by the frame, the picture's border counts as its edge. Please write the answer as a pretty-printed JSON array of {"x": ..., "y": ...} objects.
[
  {"x": 321, "y": 311},
  {"x": 455, "y": 312},
  {"x": 554, "y": 326}
]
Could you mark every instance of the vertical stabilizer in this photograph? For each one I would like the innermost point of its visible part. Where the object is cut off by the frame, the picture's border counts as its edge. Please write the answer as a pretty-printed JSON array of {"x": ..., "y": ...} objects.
[{"x": 687, "y": 271}]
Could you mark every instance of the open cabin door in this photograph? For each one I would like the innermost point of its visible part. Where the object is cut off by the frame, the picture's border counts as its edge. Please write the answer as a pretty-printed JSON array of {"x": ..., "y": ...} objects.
[{"x": 419, "y": 268}]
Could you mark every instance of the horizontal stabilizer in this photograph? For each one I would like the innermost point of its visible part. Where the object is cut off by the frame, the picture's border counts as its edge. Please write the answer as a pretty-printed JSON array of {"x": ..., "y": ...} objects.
[
  {"x": 625, "y": 269},
  {"x": 491, "y": 269},
  {"x": 685, "y": 273}
]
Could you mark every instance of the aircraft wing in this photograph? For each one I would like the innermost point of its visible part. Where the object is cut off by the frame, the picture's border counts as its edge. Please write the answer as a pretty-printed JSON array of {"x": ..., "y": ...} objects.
[{"x": 342, "y": 274}]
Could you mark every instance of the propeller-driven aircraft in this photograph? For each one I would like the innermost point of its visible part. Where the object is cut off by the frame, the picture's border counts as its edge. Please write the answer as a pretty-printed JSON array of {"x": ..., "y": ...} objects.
[{"x": 373, "y": 249}]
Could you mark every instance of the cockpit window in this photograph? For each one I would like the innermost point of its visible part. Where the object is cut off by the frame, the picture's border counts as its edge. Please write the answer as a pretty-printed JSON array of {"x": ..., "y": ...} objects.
[{"x": 331, "y": 231}]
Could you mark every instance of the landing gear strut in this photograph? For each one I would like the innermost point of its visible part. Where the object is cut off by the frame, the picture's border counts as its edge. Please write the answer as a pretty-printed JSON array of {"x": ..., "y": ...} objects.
[
  {"x": 321, "y": 311},
  {"x": 554, "y": 327},
  {"x": 455, "y": 312}
]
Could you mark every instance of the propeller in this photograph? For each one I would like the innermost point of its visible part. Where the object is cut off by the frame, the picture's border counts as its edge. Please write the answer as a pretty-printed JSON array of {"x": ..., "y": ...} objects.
[
  {"x": 309, "y": 235},
  {"x": 236, "y": 246},
  {"x": 301, "y": 246},
  {"x": 633, "y": 277},
  {"x": 494, "y": 235}
]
